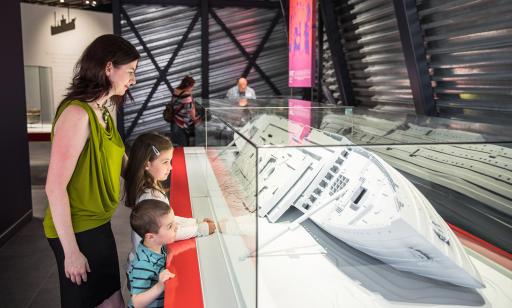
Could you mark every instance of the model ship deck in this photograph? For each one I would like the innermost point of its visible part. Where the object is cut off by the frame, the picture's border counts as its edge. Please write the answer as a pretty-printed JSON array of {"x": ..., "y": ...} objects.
[{"x": 378, "y": 210}]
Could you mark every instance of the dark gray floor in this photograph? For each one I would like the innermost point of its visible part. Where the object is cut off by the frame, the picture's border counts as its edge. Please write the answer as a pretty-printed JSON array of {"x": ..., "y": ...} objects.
[{"x": 27, "y": 266}]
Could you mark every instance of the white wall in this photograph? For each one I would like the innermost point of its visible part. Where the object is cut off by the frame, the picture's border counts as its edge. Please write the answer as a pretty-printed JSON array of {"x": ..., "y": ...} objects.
[{"x": 61, "y": 51}]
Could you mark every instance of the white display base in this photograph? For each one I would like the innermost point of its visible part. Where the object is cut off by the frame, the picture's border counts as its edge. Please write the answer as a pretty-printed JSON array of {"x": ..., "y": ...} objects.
[{"x": 310, "y": 268}]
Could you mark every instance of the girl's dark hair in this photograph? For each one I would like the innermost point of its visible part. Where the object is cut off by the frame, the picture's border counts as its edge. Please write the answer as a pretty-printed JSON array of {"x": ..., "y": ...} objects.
[
  {"x": 186, "y": 82},
  {"x": 90, "y": 81},
  {"x": 136, "y": 178}
]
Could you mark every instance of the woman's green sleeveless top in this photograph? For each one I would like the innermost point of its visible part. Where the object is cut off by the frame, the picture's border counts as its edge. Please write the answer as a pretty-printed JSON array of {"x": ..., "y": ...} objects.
[{"x": 94, "y": 187}]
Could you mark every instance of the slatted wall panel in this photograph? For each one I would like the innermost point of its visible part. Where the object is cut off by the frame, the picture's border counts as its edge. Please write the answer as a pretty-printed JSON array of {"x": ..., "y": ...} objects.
[
  {"x": 162, "y": 27},
  {"x": 249, "y": 27},
  {"x": 329, "y": 76},
  {"x": 373, "y": 51},
  {"x": 469, "y": 46},
  {"x": 273, "y": 60}
]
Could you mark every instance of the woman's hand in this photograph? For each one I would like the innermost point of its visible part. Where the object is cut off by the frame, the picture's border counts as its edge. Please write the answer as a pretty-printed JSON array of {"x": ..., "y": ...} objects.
[{"x": 76, "y": 267}]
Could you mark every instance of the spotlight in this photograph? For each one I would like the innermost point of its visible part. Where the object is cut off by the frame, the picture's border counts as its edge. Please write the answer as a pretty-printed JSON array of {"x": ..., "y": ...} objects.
[
  {"x": 86, "y": 1},
  {"x": 94, "y": 3}
]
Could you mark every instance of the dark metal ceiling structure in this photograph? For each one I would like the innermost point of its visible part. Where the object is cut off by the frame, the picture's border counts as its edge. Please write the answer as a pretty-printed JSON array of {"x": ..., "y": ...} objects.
[{"x": 92, "y": 5}]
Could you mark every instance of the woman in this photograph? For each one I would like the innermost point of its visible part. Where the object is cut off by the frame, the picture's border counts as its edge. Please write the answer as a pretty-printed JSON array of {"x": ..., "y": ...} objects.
[
  {"x": 184, "y": 115},
  {"x": 83, "y": 181}
]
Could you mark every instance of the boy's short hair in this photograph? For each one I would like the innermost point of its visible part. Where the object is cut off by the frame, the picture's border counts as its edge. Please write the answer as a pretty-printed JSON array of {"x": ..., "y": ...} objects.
[{"x": 145, "y": 216}]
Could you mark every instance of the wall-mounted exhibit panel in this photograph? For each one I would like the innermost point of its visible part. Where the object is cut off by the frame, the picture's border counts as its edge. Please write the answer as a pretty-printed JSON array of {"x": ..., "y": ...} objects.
[{"x": 39, "y": 97}]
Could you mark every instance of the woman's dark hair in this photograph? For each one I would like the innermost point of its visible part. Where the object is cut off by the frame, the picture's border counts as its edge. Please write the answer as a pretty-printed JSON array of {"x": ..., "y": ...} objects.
[
  {"x": 137, "y": 178},
  {"x": 90, "y": 81},
  {"x": 186, "y": 82}
]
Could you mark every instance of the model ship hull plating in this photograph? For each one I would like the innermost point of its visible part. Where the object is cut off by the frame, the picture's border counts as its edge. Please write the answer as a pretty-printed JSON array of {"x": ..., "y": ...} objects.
[{"x": 378, "y": 212}]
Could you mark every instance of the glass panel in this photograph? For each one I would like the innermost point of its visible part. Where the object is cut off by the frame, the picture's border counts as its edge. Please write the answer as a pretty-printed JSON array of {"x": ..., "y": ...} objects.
[
  {"x": 370, "y": 220},
  {"x": 233, "y": 196},
  {"x": 360, "y": 126},
  {"x": 353, "y": 203}
]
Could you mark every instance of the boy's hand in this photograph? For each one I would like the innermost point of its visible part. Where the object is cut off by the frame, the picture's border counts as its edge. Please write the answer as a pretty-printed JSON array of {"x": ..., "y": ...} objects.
[
  {"x": 164, "y": 276},
  {"x": 211, "y": 225}
]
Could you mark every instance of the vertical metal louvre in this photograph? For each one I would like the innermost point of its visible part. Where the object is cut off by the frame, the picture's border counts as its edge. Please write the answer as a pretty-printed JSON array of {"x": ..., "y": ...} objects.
[
  {"x": 469, "y": 47},
  {"x": 162, "y": 27},
  {"x": 373, "y": 51}
]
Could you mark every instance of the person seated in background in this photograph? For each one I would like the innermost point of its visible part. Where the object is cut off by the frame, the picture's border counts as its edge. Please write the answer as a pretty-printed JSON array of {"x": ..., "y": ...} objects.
[{"x": 241, "y": 92}]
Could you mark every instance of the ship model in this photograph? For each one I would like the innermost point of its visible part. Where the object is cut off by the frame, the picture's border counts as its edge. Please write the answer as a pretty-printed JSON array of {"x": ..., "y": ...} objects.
[{"x": 352, "y": 194}]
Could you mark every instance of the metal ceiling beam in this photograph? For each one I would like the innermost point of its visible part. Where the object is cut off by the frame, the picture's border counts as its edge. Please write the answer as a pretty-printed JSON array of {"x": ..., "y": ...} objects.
[
  {"x": 337, "y": 53},
  {"x": 211, "y": 3},
  {"x": 413, "y": 48}
]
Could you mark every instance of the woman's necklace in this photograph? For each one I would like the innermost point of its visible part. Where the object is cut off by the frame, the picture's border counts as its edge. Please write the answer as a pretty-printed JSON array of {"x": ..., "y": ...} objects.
[{"x": 104, "y": 112}]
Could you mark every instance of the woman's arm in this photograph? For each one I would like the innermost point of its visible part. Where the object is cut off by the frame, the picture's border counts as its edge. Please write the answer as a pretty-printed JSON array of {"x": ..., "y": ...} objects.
[{"x": 70, "y": 135}]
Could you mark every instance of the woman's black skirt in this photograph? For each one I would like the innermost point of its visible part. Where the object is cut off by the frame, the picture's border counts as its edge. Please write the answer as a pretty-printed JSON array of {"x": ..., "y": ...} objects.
[{"x": 99, "y": 247}]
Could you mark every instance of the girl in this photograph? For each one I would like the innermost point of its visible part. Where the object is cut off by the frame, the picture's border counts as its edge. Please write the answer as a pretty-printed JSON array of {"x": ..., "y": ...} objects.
[{"x": 150, "y": 163}]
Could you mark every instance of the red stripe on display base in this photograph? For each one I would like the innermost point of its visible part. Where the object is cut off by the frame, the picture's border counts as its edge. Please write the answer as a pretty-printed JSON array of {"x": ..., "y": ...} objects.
[
  {"x": 484, "y": 248},
  {"x": 184, "y": 290}
]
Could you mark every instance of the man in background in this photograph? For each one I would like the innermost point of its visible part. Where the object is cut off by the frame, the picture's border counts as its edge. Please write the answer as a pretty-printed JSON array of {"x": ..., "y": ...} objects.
[{"x": 241, "y": 92}]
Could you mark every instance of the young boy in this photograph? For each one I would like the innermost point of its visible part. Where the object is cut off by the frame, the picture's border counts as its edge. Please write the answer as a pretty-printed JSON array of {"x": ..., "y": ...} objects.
[{"x": 153, "y": 220}]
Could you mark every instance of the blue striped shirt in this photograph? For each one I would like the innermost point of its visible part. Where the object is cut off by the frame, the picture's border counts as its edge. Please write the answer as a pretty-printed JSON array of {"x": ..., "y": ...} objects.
[{"x": 144, "y": 271}]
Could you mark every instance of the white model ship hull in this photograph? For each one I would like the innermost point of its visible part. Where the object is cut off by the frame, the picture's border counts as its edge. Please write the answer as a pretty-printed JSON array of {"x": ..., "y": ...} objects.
[
  {"x": 394, "y": 223},
  {"x": 378, "y": 212}
]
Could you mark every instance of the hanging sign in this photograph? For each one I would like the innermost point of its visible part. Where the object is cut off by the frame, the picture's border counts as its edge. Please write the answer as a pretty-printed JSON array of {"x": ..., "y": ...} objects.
[{"x": 301, "y": 43}]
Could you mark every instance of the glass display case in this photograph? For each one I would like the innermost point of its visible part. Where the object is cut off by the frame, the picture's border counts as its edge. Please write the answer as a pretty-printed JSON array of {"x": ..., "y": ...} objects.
[
  {"x": 329, "y": 206},
  {"x": 39, "y": 98}
]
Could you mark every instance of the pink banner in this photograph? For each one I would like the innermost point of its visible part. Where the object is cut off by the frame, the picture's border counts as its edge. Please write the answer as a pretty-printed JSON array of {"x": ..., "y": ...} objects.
[
  {"x": 299, "y": 112},
  {"x": 301, "y": 43}
]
